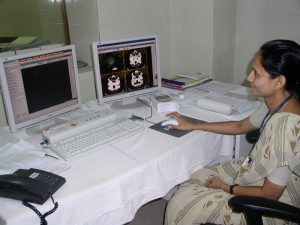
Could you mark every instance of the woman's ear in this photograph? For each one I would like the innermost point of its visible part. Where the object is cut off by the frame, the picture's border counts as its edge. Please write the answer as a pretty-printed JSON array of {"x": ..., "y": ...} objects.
[{"x": 281, "y": 81}]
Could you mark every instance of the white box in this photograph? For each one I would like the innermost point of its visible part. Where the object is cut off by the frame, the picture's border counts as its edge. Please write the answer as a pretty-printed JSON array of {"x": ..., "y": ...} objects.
[{"x": 164, "y": 103}]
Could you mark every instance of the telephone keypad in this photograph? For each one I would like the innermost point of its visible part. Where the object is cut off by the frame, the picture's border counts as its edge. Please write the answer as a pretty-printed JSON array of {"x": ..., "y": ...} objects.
[{"x": 46, "y": 178}]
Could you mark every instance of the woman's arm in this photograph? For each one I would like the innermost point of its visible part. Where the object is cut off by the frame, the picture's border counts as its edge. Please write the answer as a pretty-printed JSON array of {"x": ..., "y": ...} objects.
[
  {"x": 268, "y": 190},
  {"x": 228, "y": 127}
]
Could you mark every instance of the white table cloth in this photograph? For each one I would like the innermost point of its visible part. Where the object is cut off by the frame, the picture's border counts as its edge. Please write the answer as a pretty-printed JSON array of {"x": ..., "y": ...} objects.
[{"x": 110, "y": 184}]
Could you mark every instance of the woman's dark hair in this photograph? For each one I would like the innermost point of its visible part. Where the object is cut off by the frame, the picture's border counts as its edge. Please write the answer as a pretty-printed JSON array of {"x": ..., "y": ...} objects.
[{"x": 282, "y": 57}]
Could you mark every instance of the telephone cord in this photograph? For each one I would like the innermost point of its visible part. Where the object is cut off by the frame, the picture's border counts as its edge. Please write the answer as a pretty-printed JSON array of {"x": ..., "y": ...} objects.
[{"x": 40, "y": 215}]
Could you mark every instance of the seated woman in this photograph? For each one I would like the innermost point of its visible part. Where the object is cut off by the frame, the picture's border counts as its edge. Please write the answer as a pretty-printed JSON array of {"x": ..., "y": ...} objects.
[{"x": 272, "y": 168}]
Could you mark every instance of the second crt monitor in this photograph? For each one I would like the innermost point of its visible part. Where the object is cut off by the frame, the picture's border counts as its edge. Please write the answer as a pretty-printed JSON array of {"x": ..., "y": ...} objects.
[
  {"x": 39, "y": 87},
  {"x": 125, "y": 69}
]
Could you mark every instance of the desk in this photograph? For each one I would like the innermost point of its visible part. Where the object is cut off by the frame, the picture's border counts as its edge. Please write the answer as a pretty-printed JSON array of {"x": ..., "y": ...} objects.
[{"x": 109, "y": 185}]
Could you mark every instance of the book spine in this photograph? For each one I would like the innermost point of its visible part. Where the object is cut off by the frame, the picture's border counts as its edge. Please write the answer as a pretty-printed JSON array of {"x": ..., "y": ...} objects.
[
  {"x": 172, "y": 81},
  {"x": 197, "y": 83},
  {"x": 206, "y": 81},
  {"x": 173, "y": 86}
]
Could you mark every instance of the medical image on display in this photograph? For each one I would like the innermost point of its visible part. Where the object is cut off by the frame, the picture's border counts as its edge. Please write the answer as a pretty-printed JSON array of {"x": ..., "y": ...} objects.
[
  {"x": 136, "y": 58},
  {"x": 126, "y": 71},
  {"x": 113, "y": 83},
  {"x": 111, "y": 62},
  {"x": 136, "y": 79}
]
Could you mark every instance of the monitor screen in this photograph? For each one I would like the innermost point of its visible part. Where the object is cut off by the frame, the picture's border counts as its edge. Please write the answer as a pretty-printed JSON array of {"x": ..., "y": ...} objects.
[
  {"x": 126, "y": 68},
  {"x": 39, "y": 86}
]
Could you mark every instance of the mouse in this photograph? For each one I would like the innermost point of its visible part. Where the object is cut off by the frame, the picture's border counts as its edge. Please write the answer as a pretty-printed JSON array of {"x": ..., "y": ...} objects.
[{"x": 168, "y": 122}]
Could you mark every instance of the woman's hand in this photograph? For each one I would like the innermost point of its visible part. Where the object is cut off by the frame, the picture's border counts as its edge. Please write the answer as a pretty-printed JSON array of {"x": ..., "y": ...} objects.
[
  {"x": 183, "y": 122},
  {"x": 216, "y": 182}
]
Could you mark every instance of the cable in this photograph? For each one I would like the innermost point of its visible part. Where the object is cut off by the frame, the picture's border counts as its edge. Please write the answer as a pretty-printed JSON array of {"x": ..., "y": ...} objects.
[
  {"x": 42, "y": 217},
  {"x": 148, "y": 105},
  {"x": 44, "y": 143},
  {"x": 298, "y": 175}
]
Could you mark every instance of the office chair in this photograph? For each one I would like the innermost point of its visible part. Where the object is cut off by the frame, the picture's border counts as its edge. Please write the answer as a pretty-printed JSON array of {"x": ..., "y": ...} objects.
[{"x": 256, "y": 207}]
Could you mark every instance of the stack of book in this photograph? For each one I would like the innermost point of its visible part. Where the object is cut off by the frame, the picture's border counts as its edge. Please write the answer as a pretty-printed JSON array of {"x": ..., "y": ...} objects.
[{"x": 184, "y": 80}]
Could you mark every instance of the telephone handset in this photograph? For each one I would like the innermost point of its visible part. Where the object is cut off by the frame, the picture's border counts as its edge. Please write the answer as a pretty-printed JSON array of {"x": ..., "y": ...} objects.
[{"x": 32, "y": 185}]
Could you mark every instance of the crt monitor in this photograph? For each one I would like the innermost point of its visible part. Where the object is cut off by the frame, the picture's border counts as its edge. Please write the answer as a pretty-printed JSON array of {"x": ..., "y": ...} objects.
[
  {"x": 125, "y": 69},
  {"x": 39, "y": 86}
]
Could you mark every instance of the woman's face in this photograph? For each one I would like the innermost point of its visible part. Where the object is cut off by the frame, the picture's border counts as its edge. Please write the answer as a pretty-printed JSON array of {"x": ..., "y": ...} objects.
[{"x": 262, "y": 84}]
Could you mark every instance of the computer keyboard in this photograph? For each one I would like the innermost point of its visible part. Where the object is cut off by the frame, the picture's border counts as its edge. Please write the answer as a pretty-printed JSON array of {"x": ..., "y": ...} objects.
[
  {"x": 90, "y": 136},
  {"x": 86, "y": 141}
]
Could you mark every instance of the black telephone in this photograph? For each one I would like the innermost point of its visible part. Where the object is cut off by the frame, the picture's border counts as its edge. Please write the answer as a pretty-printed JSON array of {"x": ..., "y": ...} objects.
[{"x": 32, "y": 185}]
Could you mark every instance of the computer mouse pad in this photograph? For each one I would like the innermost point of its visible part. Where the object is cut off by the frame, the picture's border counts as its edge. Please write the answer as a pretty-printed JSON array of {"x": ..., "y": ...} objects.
[{"x": 173, "y": 132}]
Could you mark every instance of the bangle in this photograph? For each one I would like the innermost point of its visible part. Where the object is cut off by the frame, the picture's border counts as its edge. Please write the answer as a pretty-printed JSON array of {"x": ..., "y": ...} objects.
[{"x": 231, "y": 188}]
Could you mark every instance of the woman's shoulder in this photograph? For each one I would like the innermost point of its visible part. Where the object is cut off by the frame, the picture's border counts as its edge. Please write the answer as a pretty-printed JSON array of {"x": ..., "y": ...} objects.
[
  {"x": 288, "y": 115},
  {"x": 288, "y": 118}
]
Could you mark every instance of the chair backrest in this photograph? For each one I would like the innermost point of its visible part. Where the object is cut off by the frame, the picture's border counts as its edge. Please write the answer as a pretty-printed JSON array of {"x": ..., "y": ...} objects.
[{"x": 254, "y": 208}]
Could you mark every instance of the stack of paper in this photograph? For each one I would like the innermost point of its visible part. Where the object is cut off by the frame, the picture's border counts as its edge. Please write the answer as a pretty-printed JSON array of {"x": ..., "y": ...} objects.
[{"x": 184, "y": 80}]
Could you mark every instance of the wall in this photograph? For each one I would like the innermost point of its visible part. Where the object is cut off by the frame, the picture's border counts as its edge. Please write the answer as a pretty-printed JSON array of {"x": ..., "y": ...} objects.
[
  {"x": 191, "y": 36},
  {"x": 185, "y": 29},
  {"x": 102, "y": 20},
  {"x": 259, "y": 21},
  {"x": 131, "y": 18},
  {"x": 32, "y": 18},
  {"x": 224, "y": 39},
  {"x": 12, "y": 15},
  {"x": 83, "y": 26}
]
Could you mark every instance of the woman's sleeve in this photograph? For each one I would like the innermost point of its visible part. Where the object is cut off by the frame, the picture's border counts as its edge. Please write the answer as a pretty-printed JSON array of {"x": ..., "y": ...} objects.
[
  {"x": 257, "y": 117},
  {"x": 280, "y": 176}
]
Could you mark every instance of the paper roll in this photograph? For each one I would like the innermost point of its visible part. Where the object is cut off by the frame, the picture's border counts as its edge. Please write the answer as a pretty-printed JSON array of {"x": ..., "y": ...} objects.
[{"x": 215, "y": 106}]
